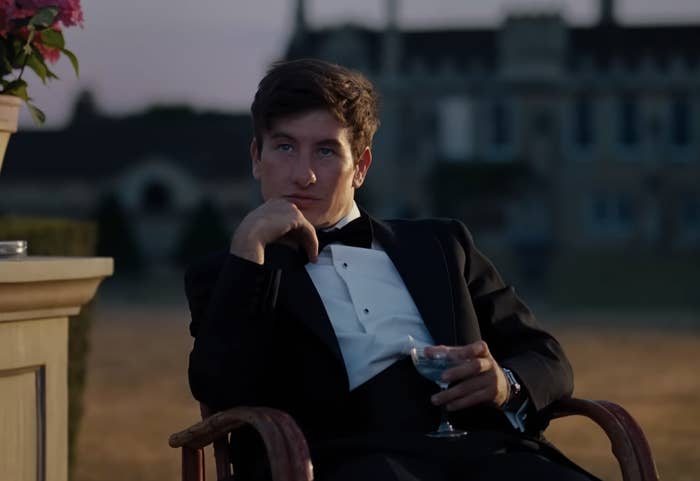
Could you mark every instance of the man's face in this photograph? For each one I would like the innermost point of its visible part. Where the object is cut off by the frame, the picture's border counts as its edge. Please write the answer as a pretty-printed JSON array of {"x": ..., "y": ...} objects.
[{"x": 307, "y": 159}]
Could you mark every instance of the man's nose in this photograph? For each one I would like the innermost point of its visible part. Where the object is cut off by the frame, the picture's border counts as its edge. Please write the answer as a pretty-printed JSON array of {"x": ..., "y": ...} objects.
[{"x": 303, "y": 173}]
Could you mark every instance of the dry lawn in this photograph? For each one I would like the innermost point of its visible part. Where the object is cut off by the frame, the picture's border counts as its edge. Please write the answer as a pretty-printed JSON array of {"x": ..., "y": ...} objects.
[{"x": 137, "y": 393}]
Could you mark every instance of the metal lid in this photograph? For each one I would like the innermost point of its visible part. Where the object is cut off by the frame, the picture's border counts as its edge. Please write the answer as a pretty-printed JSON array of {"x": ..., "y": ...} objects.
[{"x": 13, "y": 248}]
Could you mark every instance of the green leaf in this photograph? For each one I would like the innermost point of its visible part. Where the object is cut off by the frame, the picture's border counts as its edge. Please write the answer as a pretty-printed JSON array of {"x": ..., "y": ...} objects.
[
  {"x": 73, "y": 60},
  {"x": 37, "y": 115},
  {"x": 50, "y": 74},
  {"x": 36, "y": 63},
  {"x": 18, "y": 88},
  {"x": 17, "y": 55},
  {"x": 44, "y": 17},
  {"x": 6, "y": 66},
  {"x": 52, "y": 38}
]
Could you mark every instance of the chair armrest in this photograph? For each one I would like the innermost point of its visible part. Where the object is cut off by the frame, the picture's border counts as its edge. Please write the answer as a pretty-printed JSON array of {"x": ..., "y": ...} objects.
[
  {"x": 285, "y": 443},
  {"x": 628, "y": 442}
]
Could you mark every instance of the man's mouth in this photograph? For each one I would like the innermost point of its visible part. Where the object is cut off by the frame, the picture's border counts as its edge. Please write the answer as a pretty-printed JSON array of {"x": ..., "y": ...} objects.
[{"x": 300, "y": 200}]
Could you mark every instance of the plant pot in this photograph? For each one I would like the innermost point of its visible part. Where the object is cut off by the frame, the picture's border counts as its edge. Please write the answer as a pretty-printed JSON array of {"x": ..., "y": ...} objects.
[{"x": 9, "y": 114}]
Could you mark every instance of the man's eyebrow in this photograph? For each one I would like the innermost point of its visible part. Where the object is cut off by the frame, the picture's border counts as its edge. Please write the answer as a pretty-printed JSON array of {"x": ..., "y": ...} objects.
[
  {"x": 278, "y": 134},
  {"x": 331, "y": 141}
]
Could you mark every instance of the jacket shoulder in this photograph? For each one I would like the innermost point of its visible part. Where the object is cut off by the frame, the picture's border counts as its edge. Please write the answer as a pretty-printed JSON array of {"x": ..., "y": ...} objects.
[
  {"x": 440, "y": 226},
  {"x": 206, "y": 267}
]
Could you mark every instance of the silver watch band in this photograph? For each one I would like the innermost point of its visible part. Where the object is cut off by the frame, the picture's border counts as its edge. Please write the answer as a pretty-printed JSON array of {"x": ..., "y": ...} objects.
[{"x": 513, "y": 385}]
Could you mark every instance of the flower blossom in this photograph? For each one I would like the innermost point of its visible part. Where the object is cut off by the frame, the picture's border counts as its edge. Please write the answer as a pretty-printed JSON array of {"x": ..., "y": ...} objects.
[
  {"x": 69, "y": 11},
  {"x": 7, "y": 14}
]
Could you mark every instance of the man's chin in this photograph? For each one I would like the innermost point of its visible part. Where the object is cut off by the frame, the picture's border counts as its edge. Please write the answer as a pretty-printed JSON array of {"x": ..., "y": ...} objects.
[{"x": 320, "y": 221}]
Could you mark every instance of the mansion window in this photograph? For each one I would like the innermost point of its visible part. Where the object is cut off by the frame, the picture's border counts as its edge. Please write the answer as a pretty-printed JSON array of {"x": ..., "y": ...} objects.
[
  {"x": 583, "y": 121},
  {"x": 501, "y": 133},
  {"x": 628, "y": 120},
  {"x": 456, "y": 129},
  {"x": 690, "y": 211},
  {"x": 612, "y": 213},
  {"x": 680, "y": 120}
]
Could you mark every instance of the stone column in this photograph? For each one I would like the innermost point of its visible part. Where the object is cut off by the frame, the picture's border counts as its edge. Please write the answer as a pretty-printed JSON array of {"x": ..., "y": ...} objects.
[{"x": 37, "y": 294}]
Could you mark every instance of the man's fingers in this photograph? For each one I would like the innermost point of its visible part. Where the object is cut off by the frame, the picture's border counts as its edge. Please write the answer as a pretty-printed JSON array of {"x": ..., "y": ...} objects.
[
  {"x": 468, "y": 368},
  {"x": 306, "y": 235},
  {"x": 478, "y": 390},
  {"x": 470, "y": 351},
  {"x": 460, "y": 390},
  {"x": 478, "y": 397},
  {"x": 308, "y": 240}
]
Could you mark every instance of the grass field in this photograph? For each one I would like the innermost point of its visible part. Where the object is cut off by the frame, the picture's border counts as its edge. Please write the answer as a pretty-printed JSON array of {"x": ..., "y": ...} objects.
[{"x": 137, "y": 393}]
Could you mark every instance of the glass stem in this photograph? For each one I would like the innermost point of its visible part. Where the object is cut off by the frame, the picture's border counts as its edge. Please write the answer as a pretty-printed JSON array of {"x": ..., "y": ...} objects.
[{"x": 445, "y": 425}]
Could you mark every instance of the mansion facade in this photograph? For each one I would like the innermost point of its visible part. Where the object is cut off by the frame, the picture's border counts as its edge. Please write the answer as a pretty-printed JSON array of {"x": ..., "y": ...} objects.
[{"x": 535, "y": 131}]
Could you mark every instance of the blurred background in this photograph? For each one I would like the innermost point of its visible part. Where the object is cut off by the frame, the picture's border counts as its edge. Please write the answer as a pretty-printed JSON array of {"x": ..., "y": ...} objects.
[{"x": 565, "y": 134}]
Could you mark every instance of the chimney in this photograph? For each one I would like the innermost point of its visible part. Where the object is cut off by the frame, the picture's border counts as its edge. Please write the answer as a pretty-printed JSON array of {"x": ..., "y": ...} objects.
[
  {"x": 607, "y": 12},
  {"x": 391, "y": 52},
  {"x": 300, "y": 19}
]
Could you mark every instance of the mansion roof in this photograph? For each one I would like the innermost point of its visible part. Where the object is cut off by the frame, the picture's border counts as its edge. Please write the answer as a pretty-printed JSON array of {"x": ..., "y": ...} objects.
[
  {"x": 462, "y": 48},
  {"x": 207, "y": 145}
]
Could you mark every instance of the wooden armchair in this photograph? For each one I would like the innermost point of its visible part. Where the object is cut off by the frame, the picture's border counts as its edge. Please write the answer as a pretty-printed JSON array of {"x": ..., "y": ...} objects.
[{"x": 289, "y": 453}]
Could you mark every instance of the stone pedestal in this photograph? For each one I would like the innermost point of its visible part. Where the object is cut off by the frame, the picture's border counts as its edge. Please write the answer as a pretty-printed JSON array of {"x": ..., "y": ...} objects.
[{"x": 37, "y": 294}]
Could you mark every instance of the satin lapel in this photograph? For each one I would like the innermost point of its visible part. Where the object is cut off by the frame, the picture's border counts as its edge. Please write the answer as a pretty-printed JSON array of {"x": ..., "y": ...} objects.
[
  {"x": 419, "y": 258},
  {"x": 298, "y": 295}
]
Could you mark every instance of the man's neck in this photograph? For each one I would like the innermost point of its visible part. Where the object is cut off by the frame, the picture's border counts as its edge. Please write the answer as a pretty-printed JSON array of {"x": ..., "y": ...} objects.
[{"x": 352, "y": 214}]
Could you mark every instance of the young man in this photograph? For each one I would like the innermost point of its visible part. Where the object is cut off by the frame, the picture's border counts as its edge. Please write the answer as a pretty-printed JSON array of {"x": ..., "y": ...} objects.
[{"x": 294, "y": 318}]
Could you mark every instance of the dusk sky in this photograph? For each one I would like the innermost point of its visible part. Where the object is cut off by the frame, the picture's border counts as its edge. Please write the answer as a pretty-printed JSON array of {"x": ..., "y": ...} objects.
[{"x": 211, "y": 53}]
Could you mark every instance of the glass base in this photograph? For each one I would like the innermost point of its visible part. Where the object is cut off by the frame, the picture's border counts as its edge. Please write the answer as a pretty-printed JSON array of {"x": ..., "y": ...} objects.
[
  {"x": 445, "y": 430},
  {"x": 447, "y": 434}
]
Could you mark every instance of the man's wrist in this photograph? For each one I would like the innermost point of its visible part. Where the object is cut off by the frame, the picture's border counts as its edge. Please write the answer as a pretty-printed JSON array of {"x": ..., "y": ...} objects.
[
  {"x": 253, "y": 255},
  {"x": 247, "y": 248},
  {"x": 514, "y": 398}
]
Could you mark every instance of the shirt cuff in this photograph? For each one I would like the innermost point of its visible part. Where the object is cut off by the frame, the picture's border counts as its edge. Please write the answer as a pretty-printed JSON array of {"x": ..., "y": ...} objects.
[{"x": 517, "y": 418}]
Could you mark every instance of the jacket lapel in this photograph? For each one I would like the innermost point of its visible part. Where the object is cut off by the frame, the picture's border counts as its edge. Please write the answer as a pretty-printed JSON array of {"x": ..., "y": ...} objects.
[
  {"x": 420, "y": 260},
  {"x": 299, "y": 296}
]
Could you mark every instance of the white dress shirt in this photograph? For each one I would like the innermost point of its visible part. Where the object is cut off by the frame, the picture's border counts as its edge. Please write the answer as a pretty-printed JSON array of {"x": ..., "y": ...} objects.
[{"x": 368, "y": 305}]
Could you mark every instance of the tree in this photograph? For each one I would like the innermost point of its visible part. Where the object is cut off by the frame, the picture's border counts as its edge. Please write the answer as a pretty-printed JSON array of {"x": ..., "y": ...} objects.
[{"x": 204, "y": 231}]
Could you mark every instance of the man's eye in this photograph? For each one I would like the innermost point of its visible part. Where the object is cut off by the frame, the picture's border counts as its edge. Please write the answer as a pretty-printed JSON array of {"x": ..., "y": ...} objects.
[
  {"x": 326, "y": 152},
  {"x": 284, "y": 147}
]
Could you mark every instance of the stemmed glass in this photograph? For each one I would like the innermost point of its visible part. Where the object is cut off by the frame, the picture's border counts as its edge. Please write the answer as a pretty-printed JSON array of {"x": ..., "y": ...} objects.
[{"x": 431, "y": 367}]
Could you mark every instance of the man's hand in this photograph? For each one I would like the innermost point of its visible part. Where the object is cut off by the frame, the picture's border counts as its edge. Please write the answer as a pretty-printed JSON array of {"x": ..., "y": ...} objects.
[
  {"x": 275, "y": 220},
  {"x": 477, "y": 379}
]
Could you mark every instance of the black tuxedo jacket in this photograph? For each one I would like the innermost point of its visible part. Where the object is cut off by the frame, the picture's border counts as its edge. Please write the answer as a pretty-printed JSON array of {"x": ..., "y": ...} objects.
[{"x": 262, "y": 336}]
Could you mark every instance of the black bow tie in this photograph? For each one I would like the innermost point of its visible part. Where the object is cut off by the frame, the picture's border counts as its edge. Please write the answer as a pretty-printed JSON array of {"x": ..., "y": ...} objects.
[{"x": 357, "y": 233}]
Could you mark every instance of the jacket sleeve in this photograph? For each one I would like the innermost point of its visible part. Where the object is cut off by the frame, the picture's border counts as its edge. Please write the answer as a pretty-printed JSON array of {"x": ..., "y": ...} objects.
[
  {"x": 232, "y": 308},
  {"x": 511, "y": 332}
]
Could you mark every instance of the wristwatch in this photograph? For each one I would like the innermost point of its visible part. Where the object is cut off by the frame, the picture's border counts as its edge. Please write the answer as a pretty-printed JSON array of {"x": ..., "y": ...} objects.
[{"x": 514, "y": 387}]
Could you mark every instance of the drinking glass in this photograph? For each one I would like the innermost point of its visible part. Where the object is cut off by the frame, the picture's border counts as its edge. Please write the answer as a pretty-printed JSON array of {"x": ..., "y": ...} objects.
[{"x": 431, "y": 367}]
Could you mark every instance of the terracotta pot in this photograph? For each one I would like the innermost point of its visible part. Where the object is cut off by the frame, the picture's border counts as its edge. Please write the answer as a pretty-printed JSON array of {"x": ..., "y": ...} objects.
[{"x": 9, "y": 114}]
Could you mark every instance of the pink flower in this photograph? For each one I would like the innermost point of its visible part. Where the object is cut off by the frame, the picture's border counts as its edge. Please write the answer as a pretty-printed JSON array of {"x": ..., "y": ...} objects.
[
  {"x": 7, "y": 12},
  {"x": 49, "y": 53},
  {"x": 69, "y": 11},
  {"x": 15, "y": 16}
]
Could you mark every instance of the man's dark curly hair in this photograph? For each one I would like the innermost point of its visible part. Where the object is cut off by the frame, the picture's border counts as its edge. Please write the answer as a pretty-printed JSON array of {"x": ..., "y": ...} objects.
[{"x": 299, "y": 86}]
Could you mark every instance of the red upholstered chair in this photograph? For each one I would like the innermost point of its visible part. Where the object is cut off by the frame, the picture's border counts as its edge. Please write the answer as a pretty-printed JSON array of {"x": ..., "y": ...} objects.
[{"x": 289, "y": 453}]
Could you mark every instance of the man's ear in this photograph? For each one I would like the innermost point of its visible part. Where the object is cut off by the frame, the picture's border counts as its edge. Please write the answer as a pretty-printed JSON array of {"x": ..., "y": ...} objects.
[
  {"x": 362, "y": 167},
  {"x": 255, "y": 158}
]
